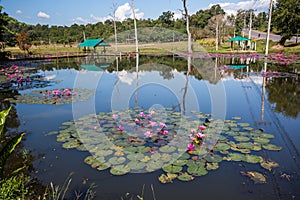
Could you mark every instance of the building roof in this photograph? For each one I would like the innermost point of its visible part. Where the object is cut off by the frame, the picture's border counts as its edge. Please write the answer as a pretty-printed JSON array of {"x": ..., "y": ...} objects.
[
  {"x": 93, "y": 43},
  {"x": 238, "y": 38}
]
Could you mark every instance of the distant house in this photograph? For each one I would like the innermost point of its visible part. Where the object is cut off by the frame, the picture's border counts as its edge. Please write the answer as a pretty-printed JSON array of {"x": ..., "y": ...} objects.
[{"x": 93, "y": 43}]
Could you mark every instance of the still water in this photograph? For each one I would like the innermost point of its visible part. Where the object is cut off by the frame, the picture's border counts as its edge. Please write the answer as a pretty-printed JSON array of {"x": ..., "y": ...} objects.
[{"x": 224, "y": 87}]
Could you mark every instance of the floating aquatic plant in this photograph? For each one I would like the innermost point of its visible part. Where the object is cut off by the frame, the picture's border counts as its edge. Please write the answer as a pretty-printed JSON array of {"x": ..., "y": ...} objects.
[
  {"x": 184, "y": 147},
  {"x": 56, "y": 96}
]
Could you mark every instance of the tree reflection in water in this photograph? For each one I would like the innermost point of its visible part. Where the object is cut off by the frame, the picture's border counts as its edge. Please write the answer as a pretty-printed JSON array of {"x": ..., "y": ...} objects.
[{"x": 284, "y": 93}]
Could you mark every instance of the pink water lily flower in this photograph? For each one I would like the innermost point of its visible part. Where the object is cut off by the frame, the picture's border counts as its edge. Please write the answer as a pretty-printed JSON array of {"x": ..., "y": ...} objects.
[
  {"x": 192, "y": 137},
  {"x": 191, "y": 147},
  {"x": 152, "y": 112},
  {"x": 200, "y": 135},
  {"x": 152, "y": 123},
  {"x": 163, "y": 125},
  {"x": 193, "y": 130},
  {"x": 121, "y": 128},
  {"x": 67, "y": 91},
  {"x": 136, "y": 120},
  {"x": 142, "y": 114},
  {"x": 165, "y": 132},
  {"x": 56, "y": 92},
  {"x": 202, "y": 128},
  {"x": 115, "y": 116},
  {"x": 148, "y": 134}
]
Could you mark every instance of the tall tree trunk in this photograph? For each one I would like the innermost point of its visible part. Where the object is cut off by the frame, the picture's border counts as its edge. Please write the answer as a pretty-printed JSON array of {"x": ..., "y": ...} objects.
[
  {"x": 136, "y": 37},
  {"x": 282, "y": 40},
  {"x": 188, "y": 27}
]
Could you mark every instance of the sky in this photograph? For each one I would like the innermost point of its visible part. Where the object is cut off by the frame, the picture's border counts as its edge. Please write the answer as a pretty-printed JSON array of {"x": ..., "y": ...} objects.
[{"x": 68, "y": 12}]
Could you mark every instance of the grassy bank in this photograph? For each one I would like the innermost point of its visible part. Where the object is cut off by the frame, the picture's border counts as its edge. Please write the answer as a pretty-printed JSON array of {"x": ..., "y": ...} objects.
[{"x": 159, "y": 48}]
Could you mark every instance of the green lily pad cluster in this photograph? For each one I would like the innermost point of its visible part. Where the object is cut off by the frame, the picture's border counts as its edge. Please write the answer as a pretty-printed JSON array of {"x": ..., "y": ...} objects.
[
  {"x": 120, "y": 142},
  {"x": 57, "y": 96}
]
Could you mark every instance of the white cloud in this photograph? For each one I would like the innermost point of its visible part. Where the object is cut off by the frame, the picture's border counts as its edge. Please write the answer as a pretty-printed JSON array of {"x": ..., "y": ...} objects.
[
  {"x": 232, "y": 8},
  {"x": 178, "y": 15},
  {"x": 18, "y": 12},
  {"x": 43, "y": 15},
  {"x": 80, "y": 20},
  {"x": 124, "y": 11},
  {"x": 100, "y": 19}
]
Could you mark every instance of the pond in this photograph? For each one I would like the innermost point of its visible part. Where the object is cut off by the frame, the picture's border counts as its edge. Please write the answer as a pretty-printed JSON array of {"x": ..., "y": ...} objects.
[{"x": 206, "y": 126}]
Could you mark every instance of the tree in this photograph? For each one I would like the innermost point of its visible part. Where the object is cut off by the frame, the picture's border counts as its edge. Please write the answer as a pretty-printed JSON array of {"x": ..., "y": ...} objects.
[
  {"x": 286, "y": 18},
  {"x": 167, "y": 19},
  {"x": 187, "y": 18},
  {"x": 23, "y": 41}
]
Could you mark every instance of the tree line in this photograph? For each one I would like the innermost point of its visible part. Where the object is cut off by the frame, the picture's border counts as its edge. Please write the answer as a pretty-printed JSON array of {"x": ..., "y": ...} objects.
[{"x": 285, "y": 21}]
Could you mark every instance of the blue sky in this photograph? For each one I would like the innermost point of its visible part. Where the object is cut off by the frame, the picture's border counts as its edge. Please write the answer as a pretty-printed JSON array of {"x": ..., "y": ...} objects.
[{"x": 67, "y": 12}]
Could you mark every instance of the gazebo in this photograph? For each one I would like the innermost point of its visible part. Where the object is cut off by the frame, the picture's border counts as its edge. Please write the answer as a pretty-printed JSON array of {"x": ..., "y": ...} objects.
[
  {"x": 240, "y": 40},
  {"x": 94, "y": 43}
]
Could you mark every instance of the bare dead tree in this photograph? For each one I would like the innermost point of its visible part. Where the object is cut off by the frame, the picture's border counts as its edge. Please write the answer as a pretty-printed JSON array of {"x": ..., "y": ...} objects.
[{"x": 186, "y": 14}]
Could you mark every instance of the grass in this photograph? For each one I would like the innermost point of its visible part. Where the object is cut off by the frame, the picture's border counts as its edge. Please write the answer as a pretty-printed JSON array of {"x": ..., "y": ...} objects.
[
  {"x": 158, "y": 48},
  {"x": 56, "y": 192}
]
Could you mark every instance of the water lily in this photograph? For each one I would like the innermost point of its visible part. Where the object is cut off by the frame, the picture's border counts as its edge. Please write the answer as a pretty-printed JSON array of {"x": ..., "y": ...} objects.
[
  {"x": 67, "y": 91},
  {"x": 200, "y": 135},
  {"x": 202, "y": 128},
  {"x": 142, "y": 114},
  {"x": 191, "y": 147},
  {"x": 192, "y": 137},
  {"x": 152, "y": 123},
  {"x": 193, "y": 130},
  {"x": 152, "y": 112},
  {"x": 136, "y": 120},
  {"x": 148, "y": 134},
  {"x": 163, "y": 125},
  {"x": 56, "y": 92},
  {"x": 121, "y": 128},
  {"x": 115, "y": 116},
  {"x": 165, "y": 132}
]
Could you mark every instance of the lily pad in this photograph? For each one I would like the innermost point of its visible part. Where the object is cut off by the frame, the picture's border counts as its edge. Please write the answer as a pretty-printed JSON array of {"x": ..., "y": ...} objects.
[
  {"x": 269, "y": 164},
  {"x": 153, "y": 165},
  {"x": 180, "y": 162},
  {"x": 185, "y": 177},
  {"x": 119, "y": 170},
  {"x": 103, "y": 166},
  {"x": 167, "y": 178},
  {"x": 197, "y": 169},
  {"x": 241, "y": 138},
  {"x": 253, "y": 158},
  {"x": 167, "y": 149},
  {"x": 212, "y": 166},
  {"x": 135, "y": 156},
  {"x": 116, "y": 160},
  {"x": 136, "y": 165},
  {"x": 235, "y": 157},
  {"x": 71, "y": 144},
  {"x": 261, "y": 140},
  {"x": 271, "y": 147},
  {"x": 172, "y": 168},
  {"x": 245, "y": 145},
  {"x": 221, "y": 146},
  {"x": 213, "y": 158},
  {"x": 256, "y": 177},
  {"x": 267, "y": 135}
]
